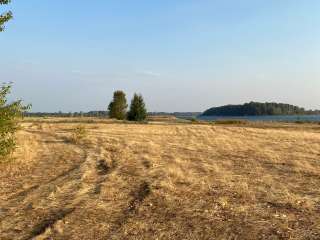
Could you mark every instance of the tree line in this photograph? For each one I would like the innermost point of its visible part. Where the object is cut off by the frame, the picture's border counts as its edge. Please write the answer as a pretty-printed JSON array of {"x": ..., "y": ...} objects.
[
  {"x": 100, "y": 114},
  {"x": 257, "y": 109}
]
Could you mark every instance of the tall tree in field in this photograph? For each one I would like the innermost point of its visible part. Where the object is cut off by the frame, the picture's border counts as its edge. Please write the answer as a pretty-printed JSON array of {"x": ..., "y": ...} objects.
[
  {"x": 137, "y": 110},
  {"x": 118, "y": 107},
  {"x": 5, "y": 16}
]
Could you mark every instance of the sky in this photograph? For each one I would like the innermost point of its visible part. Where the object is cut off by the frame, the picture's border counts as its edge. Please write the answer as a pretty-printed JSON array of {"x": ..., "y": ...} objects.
[{"x": 181, "y": 55}]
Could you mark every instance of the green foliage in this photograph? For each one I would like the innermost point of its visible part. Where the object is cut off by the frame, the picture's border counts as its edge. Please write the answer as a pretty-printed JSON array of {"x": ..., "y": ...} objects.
[
  {"x": 5, "y": 16},
  {"x": 137, "y": 110},
  {"x": 255, "y": 109},
  {"x": 194, "y": 120},
  {"x": 10, "y": 114},
  {"x": 78, "y": 134},
  {"x": 118, "y": 107},
  {"x": 231, "y": 122}
]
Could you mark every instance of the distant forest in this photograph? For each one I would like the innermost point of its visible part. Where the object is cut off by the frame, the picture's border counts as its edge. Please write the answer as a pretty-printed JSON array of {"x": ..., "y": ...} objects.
[
  {"x": 257, "y": 109},
  {"x": 104, "y": 114}
]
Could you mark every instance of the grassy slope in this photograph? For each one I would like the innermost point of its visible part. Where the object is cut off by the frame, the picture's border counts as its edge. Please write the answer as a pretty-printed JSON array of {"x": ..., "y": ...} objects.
[{"x": 162, "y": 181}]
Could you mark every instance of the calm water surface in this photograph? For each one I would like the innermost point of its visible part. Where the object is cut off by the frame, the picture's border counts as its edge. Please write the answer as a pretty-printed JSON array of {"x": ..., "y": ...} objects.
[{"x": 289, "y": 118}]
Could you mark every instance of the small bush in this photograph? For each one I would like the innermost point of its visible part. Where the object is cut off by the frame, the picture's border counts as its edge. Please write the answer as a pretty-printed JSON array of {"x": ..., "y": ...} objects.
[
  {"x": 10, "y": 114},
  {"x": 300, "y": 122},
  {"x": 194, "y": 120},
  {"x": 231, "y": 121},
  {"x": 78, "y": 134}
]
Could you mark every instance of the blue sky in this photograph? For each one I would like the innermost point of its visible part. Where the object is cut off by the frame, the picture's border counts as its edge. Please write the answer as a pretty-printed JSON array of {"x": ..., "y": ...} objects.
[{"x": 182, "y": 55}]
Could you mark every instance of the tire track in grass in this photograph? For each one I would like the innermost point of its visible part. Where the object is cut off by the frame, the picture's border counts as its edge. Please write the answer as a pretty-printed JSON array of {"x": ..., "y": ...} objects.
[
  {"x": 137, "y": 198},
  {"x": 49, "y": 222}
]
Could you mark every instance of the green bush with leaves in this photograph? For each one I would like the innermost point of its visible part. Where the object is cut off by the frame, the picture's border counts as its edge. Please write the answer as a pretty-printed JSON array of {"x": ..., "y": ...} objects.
[
  {"x": 118, "y": 107},
  {"x": 5, "y": 17},
  {"x": 10, "y": 115},
  {"x": 137, "y": 110}
]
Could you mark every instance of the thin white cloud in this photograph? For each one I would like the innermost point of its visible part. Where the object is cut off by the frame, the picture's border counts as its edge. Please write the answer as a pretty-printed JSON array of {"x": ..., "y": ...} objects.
[{"x": 148, "y": 73}]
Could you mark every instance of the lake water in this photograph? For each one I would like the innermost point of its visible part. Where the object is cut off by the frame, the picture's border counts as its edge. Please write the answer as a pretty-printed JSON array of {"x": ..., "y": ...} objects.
[{"x": 277, "y": 118}]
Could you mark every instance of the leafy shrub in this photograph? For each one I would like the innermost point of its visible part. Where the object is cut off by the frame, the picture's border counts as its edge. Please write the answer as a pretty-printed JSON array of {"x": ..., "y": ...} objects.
[
  {"x": 10, "y": 114},
  {"x": 5, "y": 16},
  {"x": 194, "y": 120},
  {"x": 231, "y": 121}
]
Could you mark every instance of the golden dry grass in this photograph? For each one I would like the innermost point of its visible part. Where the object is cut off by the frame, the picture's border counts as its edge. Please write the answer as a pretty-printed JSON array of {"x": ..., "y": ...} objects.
[{"x": 162, "y": 181}]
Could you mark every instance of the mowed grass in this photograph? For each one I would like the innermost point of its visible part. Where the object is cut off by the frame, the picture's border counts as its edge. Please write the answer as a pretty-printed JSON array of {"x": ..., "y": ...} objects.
[{"x": 162, "y": 181}]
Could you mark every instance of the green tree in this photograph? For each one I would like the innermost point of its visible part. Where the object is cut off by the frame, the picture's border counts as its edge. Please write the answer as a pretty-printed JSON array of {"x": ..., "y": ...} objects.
[
  {"x": 5, "y": 16},
  {"x": 137, "y": 110},
  {"x": 10, "y": 114},
  {"x": 118, "y": 106}
]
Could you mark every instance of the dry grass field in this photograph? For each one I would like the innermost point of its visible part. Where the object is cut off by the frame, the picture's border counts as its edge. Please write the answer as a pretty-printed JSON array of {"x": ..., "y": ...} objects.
[{"x": 162, "y": 181}]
